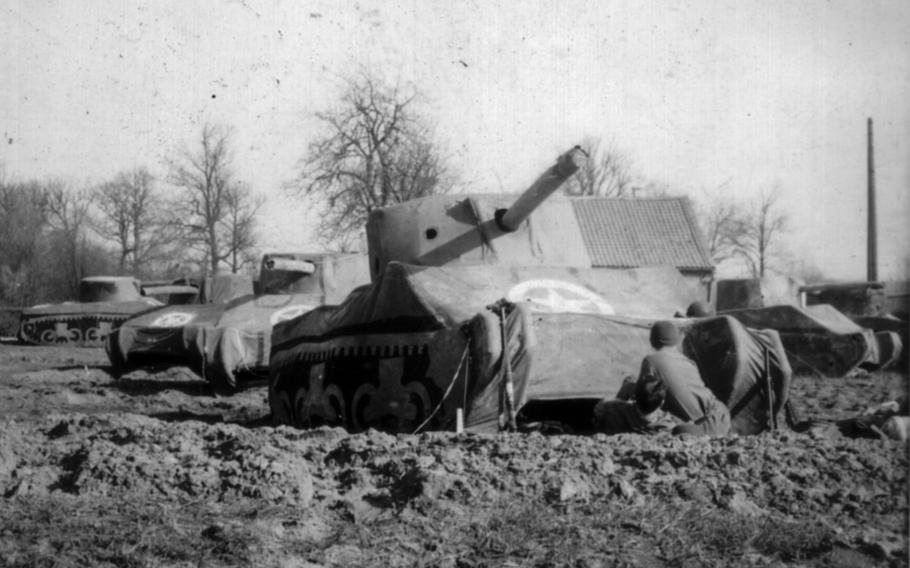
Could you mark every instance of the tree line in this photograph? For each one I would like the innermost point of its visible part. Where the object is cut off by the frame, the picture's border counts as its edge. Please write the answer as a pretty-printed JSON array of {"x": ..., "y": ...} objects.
[{"x": 54, "y": 233}]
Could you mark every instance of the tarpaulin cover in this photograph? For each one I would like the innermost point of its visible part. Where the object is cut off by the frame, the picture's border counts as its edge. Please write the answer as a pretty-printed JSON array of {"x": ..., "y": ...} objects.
[
  {"x": 892, "y": 336},
  {"x": 410, "y": 298},
  {"x": 731, "y": 360},
  {"x": 162, "y": 334},
  {"x": 818, "y": 339},
  {"x": 392, "y": 351},
  {"x": 240, "y": 338},
  {"x": 573, "y": 356},
  {"x": 558, "y": 357}
]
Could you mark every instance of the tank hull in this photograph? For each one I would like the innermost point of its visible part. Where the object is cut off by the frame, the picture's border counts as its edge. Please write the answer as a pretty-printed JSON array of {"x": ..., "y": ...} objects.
[
  {"x": 820, "y": 340},
  {"x": 420, "y": 344},
  {"x": 77, "y": 324}
]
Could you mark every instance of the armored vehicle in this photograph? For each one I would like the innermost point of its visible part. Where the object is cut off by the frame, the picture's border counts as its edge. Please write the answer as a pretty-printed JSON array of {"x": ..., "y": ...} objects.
[
  {"x": 104, "y": 303},
  {"x": 160, "y": 336},
  {"x": 237, "y": 345},
  {"x": 224, "y": 341},
  {"x": 484, "y": 312}
]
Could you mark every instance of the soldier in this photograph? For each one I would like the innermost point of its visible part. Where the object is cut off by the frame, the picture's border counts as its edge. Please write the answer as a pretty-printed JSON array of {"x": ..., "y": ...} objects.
[
  {"x": 699, "y": 309},
  {"x": 668, "y": 384}
]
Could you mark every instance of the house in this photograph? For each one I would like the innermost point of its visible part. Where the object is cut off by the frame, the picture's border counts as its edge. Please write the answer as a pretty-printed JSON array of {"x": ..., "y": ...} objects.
[{"x": 632, "y": 233}]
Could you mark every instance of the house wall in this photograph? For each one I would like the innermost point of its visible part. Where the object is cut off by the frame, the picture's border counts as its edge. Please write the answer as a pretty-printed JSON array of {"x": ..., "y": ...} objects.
[{"x": 702, "y": 282}]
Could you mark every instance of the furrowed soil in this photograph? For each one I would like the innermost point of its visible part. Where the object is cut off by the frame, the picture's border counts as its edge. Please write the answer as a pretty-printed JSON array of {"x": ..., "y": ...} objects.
[{"x": 154, "y": 470}]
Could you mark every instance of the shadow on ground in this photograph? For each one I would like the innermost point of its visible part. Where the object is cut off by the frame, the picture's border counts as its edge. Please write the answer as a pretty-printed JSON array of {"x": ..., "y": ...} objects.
[{"x": 246, "y": 417}]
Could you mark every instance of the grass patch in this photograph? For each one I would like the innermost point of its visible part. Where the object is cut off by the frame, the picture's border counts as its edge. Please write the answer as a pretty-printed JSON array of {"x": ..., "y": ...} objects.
[
  {"x": 62, "y": 531},
  {"x": 794, "y": 541}
]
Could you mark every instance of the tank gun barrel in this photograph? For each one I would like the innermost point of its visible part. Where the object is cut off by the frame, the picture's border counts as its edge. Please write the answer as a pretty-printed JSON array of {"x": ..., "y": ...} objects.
[
  {"x": 290, "y": 265},
  {"x": 567, "y": 164}
]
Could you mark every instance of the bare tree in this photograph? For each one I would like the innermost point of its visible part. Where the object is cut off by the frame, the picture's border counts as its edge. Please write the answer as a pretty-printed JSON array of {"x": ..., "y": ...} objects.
[
  {"x": 23, "y": 222},
  {"x": 238, "y": 225},
  {"x": 23, "y": 219},
  {"x": 129, "y": 212},
  {"x": 68, "y": 215},
  {"x": 376, "y": 151},
  {"x": 209, "y": 190},
  {"x": 722, "y": 222},
  {"x": 606, "y": 173},
  {"x": 762, "y": 226}
]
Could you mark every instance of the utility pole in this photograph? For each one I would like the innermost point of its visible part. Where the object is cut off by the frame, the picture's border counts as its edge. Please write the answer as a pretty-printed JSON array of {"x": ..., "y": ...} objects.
[{"x": 871, "y": 236}]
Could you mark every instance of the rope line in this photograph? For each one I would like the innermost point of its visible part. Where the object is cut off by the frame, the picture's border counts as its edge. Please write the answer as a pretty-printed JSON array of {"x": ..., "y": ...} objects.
[{"x": 446, "y": 394}]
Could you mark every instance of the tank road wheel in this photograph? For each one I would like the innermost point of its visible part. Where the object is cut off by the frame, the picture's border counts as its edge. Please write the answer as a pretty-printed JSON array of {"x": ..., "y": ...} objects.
[
  {"x": 223, "y": 383},
  {"x": 331, "y": 411},
  {"x": 392, "y": 407},
  {"x": 284, "y": 396},
  {"x": 301, "y": 400}
]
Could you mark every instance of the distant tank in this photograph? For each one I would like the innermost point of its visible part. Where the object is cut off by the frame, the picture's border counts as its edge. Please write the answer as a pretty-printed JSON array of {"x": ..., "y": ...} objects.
[
  {"x": 457, "y": 277},
  {"x": 104, "y": 303},
  {"x": 827, "y": 329}
]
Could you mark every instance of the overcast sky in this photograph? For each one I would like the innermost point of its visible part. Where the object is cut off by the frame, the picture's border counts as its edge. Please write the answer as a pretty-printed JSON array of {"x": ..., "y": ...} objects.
[{"x": 748, "y": 95}]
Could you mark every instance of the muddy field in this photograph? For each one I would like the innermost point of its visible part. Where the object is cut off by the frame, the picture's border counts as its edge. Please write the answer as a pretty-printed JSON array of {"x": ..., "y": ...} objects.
[{"x": 154, "y": 470}]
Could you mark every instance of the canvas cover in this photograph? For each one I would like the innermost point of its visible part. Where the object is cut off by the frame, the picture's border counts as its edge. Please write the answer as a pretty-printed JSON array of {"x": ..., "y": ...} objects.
[
  {"x": 420, "y": 342},
  {"x": 239, "y": 340},
  {"x": 891, "y": 334},
  {"x": 164, "y": 334},
  {"x": 741, "y": 366},
  {"x": 818, "y": 339},
  {"x": 408, "y": 297},
  {"x": 573, "y": 356}
]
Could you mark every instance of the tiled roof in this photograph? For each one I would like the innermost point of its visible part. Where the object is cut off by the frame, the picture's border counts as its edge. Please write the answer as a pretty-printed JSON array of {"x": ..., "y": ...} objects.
[{"x": 628, "y": 233}]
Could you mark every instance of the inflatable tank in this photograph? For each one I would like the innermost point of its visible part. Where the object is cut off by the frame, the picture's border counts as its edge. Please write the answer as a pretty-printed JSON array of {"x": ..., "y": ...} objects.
[
  {"x": 484, "y": 312},
  {"x": 228, "y": 341},
  {"x": 159, "y": 337},
  {"x": 104, "y": 303}
]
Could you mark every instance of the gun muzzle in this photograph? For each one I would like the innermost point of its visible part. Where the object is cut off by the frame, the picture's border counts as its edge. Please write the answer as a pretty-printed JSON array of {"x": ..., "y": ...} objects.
[{"x": 566, "y": 165}]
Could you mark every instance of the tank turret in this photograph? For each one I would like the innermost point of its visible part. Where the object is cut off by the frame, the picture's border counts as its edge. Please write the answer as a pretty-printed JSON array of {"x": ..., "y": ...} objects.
[{"x": 483, "y": 228}]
